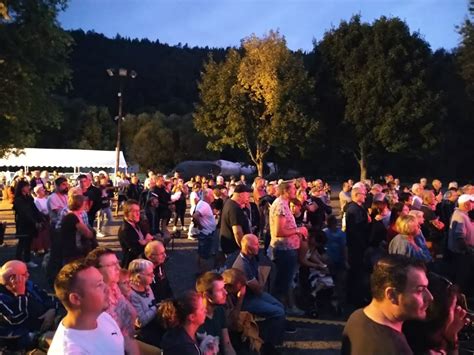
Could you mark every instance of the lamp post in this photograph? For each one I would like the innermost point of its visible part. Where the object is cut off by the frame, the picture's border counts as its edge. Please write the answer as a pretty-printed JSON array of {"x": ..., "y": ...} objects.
[{"x": 122, "y": 74}]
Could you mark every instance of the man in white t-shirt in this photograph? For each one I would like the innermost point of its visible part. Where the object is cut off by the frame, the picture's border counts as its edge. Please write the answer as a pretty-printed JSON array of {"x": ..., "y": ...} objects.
[
  {"x": 86, "y": 328},
  {"x": 205, "y": 222}
]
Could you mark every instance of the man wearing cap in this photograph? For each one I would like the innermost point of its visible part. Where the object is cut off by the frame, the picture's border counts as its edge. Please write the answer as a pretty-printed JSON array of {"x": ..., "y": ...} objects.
[
  {"x": 461, "y": 243},
  {"x": 234, "y": 223}
]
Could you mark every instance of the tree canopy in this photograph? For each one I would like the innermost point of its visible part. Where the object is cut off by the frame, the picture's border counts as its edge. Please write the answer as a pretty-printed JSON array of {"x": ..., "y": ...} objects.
[
  {"x": 33, "y": 63},
  {"x": 258, "y": 99},
  {"x": 381, "y": 70}
]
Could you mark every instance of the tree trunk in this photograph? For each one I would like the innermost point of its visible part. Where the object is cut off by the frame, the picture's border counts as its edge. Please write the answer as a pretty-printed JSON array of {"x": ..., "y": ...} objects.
[
  {"x": 362, "y": 161},
  {"x": 259, "y": 164},
  {"x": 363, "y": 167}
]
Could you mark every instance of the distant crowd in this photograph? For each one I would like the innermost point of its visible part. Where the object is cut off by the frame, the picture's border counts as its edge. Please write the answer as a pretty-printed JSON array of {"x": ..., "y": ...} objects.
[{"x": 265, "y": 250}]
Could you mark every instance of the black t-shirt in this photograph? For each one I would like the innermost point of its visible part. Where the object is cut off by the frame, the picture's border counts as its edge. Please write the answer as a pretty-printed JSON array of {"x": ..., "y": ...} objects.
[
  {"x": 95, "y": 199},
  {"x": 232, "y": 215},
  {"x": 68, "y": 236},
  {"x": 362, "y": 335}
]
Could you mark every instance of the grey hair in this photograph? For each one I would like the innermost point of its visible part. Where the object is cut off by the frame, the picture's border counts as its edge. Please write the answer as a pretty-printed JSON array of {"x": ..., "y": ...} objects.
[{"x": 139, "y": 265}]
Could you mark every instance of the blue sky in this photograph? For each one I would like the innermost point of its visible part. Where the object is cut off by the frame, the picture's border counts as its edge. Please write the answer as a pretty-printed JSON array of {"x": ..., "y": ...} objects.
[{"x": 221, "y": 23}]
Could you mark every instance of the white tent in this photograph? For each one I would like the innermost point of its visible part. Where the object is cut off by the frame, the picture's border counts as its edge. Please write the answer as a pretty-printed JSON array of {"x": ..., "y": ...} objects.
[{"x": 63, "y": 158}]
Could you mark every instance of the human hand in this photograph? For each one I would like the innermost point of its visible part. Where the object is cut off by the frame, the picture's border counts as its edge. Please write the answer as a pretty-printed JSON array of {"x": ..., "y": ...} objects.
[
  {"x": 303, "y": 232},
  {"x": 48, "y": 320},
  {"x": 149, "y": 237},
  {"x": 456, "y": 321},
  {"x": 438, "y": 224}
]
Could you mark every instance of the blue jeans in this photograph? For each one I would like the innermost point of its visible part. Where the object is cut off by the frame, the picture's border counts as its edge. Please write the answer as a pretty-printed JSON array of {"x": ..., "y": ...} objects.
[
  {"x": 286, "y": 262},
  {"x": 268, "y": 307},
  {"x": 205, "y": 245}
]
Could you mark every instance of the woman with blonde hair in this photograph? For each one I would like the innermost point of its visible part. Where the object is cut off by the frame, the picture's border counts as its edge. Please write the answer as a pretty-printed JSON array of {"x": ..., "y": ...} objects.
[{"x": 404, "y": 243}]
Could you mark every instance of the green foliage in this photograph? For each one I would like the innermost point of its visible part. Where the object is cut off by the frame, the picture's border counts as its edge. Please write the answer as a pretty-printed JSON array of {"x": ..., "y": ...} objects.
[
  {"x": 382, "y": 72},
  {"x": 156, "y": 141},
  {"x": 81, "y": 126},
  {"x": 33, "y": 56},
  {"x": 466, "y": 50},
  {"x": 257, "y": 99}
]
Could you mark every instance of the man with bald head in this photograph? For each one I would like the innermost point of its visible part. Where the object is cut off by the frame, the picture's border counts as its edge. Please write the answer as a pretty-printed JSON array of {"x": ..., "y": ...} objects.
[
  {"x": 25, "y": 309},
  {"x": 256, "y": 301},
  {"x": 155, "y": 252}
]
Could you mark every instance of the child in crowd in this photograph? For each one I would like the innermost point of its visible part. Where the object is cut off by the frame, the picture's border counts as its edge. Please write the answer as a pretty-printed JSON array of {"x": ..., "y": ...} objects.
[{"x": 336, "y": 250}]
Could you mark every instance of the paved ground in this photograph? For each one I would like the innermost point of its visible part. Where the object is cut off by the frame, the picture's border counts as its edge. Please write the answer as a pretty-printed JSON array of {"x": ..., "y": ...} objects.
[{"x": 313, "y": 336}]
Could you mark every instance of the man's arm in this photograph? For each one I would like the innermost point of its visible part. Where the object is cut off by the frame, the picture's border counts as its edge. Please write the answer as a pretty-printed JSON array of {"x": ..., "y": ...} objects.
[
  {"x": 238, "y": 234},
  {"x": 255, "y": 286},
  {"x": 228, "y": 348},
  {"x": 283, "y": 231},
  {"x": 131, "y": 345}
]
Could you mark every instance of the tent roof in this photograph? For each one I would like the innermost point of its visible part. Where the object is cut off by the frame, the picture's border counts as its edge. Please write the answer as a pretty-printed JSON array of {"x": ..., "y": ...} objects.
[{"x": 64, "y": 158}]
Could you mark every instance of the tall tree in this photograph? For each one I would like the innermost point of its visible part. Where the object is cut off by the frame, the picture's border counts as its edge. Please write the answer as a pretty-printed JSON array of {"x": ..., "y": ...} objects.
[
  {"x": 381, "y": 70},
  {"x": 466, "y": 50},
  {"x": 259, "y": 98},
  {"x": 33, "y": 53}
]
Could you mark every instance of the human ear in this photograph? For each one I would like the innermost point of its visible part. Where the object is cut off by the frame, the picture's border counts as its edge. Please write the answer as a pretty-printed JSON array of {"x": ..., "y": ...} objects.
[
  {"x": 392, "y": 295},
  {"x": 74, "y": 299}
]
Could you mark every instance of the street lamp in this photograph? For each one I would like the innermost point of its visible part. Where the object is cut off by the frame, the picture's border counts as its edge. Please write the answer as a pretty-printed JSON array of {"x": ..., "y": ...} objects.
[{"x": 122, "y": 74}]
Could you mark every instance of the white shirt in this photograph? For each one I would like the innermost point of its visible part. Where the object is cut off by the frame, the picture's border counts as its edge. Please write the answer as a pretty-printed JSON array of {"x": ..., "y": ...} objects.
[
  {"x": 105, "y": 339},
  {"x": 206, "y": 217},
  {"x": 42, "y": 205}
]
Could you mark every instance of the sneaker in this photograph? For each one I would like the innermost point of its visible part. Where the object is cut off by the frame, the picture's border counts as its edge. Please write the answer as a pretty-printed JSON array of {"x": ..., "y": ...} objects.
[
  {"x": 289, "y": 328},
  {"x": 100, "y": 235},
  {"x": 3, "y": 245},
  {"x": 185, "y": 229},
  {"x": 31, "y": 264},
  {"x": 295, "y": 312},
  {"x": 190, "y": 237},
  {"x": 175, "y": 229}
]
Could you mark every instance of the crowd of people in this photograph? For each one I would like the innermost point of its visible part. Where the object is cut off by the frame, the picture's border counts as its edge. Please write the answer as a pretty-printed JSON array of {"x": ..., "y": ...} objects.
[{"x": 266, "y": 250}]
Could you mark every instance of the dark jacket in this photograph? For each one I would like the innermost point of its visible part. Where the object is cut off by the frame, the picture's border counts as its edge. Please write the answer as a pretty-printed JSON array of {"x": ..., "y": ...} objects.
[
  {"x": 161, "y": 286},
  {"x": 95, "y": 197},
  {"x": 128, "y": 238},
  {"x": 134, "y": 191},
  {"x": 177, "y": 342},
  {"x": 318, "y": 217},
  {"x": 19, "y": 314},
  {"x": 26, "y": 216}
]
